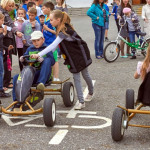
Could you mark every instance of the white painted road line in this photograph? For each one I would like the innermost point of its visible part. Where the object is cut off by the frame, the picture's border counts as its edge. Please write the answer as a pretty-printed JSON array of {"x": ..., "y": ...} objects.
[
  {"x": 25, "y": 120},
  {"x": 43, "y": 126},
  {"x": 59, "y": 136},
  {"x": 72, "y": 113},
  {"x": 107, "y": 124}
]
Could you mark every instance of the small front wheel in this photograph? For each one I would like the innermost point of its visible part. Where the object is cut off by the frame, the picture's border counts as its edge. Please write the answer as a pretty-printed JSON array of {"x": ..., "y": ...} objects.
[
  {"x": 117, "y": 126},
  {"x": 68, "y": 94},
  {"x": 130, "y": 99},
  {"x": 111, "y": 52},
  {"x": 49, "y": 112}
]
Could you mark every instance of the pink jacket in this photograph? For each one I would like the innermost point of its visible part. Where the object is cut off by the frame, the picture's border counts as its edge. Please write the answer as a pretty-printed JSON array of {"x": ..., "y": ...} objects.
[{"x": 19, "y": 43}]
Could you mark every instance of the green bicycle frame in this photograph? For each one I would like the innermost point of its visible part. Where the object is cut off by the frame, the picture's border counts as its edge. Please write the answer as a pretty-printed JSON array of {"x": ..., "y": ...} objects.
[{"x": 135, "y": 45}]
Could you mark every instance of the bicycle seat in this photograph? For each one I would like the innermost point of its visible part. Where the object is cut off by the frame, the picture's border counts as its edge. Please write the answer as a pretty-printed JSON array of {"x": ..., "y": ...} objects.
[{"x": 141, "y": 33}]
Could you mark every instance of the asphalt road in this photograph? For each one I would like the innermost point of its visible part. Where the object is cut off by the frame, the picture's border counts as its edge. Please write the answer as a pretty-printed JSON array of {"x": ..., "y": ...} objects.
[{"x": 90, "y": 128}]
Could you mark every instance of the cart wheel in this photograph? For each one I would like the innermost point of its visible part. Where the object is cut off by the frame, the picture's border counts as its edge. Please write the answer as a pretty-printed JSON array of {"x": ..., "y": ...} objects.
[
  {"x": 49, "y": 112},
  {"x": 68, "y": 94},
  {"x": 111, "y": 52},
  {"x": 130, "y": 99},
  {"x": 117, "y": 126}
]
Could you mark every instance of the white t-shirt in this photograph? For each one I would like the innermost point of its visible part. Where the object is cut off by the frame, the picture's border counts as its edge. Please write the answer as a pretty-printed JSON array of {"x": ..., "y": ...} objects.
[{"x": 139, "y": 67}]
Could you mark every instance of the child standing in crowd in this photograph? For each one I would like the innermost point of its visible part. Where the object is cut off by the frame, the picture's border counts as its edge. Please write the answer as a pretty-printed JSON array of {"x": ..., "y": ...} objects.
[
  {"x": 114, "y": 13},
  {"x": 16, "y": 9},
  {"x": 49, "y": 35},
  {"x": 3, "y": 32},
  {"x": 28, "y": 27},
  {"x": 61, "y": 6},
  {"x": 21, "y": 13},
  {"x": 25, "y": 2},
  {"x": 32, "y": 5},
  {"x": 75, "y": 52},
  {"x": 107, "y": 22},
  {"x": 133, "y": 26},
  {"x": 42, "y": 20}
]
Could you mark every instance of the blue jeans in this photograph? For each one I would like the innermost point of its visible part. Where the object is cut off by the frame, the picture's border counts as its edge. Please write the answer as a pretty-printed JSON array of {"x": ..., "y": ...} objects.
[
  {"x": 41, "y": 76},
  {"x": 1, "y": 70},
  {"x": 99, "y": 39},
  {"x": 132, "y": 39}
]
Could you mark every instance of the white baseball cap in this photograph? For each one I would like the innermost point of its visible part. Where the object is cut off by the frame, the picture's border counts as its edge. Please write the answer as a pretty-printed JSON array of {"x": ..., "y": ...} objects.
[{"x": 36, "y": 35}]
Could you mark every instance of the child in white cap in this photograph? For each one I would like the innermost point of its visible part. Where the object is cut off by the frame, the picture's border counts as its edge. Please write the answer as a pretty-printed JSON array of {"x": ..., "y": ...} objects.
[
  {"x": 43, "y": 73},
  {"x": 133, "y": 26}
]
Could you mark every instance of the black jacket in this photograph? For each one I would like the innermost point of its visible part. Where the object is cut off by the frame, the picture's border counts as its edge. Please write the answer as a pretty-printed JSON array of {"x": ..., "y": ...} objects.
[
  {"x": 144, "y": 91},
  {"x": 8, "y": 22},
  {"x": 76, "y": 51},
  {"x": 2, "y": 47}
]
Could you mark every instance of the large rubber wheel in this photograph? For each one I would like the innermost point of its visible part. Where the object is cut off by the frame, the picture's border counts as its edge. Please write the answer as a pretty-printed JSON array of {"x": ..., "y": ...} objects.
[
  {"x": 111, "y": 52},
  {"x": 145, "y": 46},
  {"x": 117, "y": 129},
  {"x": 68, "y": 94},
  {"x": 49, "y": 112},
  {"x": 130, "y": 99}
]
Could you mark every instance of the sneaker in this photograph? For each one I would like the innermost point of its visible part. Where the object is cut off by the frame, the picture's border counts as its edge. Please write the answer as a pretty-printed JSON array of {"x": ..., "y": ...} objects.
[
  {"x": 124, "y": 56},
  {"x": 17, "y": 105},
  {"x": 40, "y": 86},
  {"x": 4, "y": 95},
  {"x": 79, "y": 106},
  {"x": 56, "y": 79},
  {"x": 133, "y": 57},
  {"x": 106, "y": 39},
  {"x": 59, "y": 56},
  {"x": 88, "y": 98},
  {"x": 129, "y": 54}
]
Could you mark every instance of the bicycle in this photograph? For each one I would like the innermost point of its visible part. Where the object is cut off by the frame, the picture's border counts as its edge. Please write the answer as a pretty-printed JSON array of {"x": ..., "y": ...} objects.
[{"x": 112, "y": 49}]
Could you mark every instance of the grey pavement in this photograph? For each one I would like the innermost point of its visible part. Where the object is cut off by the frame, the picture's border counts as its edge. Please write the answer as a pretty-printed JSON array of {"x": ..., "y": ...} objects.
[{"x": 112, "y": 80}]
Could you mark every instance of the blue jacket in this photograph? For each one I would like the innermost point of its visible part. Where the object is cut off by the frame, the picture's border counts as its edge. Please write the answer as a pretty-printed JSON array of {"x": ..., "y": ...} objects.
[
  {"x": 96, "y": 11},
  {"x": 33, "y": 50},
  {"x": 115, "y": 11},
  {"x": 107, "y": 8},
  {"x": 25, "y": 7},
  {"x": 49, "y": 37}
]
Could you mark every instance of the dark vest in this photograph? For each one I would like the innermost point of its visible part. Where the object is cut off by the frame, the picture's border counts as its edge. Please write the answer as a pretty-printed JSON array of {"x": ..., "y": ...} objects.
[
  {"x": 76, "y": 51},
  {"x": 144, "y": 91}
]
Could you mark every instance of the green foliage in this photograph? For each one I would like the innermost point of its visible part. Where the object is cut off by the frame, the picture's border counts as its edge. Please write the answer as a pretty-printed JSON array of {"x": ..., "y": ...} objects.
[{"x": 17, "y": 1}]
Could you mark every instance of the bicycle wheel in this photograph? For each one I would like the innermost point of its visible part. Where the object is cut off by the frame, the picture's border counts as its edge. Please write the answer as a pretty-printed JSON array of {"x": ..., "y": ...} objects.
[
  {"x": 144, "y": 47},
  {"x": 111, "y": 52}
]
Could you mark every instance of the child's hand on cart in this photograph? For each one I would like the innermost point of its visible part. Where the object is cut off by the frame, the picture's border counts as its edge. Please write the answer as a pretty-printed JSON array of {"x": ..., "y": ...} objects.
[{"x": 34, "y": 56}]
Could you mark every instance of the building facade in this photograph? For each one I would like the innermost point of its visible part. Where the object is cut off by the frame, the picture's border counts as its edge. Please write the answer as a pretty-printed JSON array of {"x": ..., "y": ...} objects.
[{"x": 137, "y": 2}]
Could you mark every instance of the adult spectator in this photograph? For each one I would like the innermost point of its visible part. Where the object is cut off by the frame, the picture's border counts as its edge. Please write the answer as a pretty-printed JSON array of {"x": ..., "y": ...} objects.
[
  {"x": 60, "y": 4},
  {"x": 99, "y": 16},
  {"x": 124, "y": 33},
  {"x": 146, "y": 17},
  {"x": 5, "y": 7}
]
